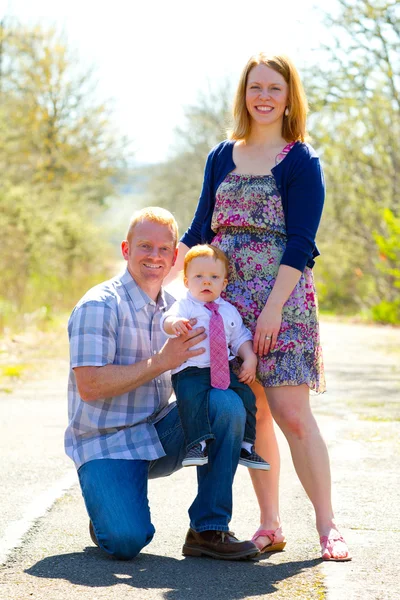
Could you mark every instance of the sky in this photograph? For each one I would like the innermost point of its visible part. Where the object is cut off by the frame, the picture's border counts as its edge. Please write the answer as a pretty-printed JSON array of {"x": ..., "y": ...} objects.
[{"x": 153, "y": 57}]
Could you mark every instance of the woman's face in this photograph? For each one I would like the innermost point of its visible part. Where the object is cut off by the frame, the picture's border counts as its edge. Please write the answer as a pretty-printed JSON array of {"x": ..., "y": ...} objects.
[{"x": 266, "y": 95}]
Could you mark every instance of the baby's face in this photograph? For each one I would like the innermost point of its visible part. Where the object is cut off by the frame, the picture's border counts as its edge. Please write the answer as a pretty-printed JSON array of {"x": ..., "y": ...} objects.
[{"x": 205, "y": 278}]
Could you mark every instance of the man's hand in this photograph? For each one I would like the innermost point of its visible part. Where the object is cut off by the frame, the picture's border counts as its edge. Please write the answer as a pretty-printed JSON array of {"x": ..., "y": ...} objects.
[
  {"x": 178, "y": 350},
  {"x": 96, "y": 383}
]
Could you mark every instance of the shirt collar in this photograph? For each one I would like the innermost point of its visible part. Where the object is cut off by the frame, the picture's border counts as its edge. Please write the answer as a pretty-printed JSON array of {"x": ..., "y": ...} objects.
[
  {"x": 138, "y": 296},
  {"x": 195, "y": 301}
]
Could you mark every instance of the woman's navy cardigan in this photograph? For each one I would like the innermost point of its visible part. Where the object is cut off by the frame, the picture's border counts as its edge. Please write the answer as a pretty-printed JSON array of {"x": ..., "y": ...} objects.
[{"x": 300, "y": 181}]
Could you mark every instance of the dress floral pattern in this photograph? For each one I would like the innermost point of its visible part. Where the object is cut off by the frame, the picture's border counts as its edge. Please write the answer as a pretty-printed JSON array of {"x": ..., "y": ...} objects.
[{"x": 250, "y": 228}]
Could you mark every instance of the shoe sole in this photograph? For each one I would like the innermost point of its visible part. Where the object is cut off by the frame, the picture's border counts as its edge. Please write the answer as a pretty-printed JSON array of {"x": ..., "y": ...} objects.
[
  {"x": 195, "y": 462},
  {"x": 253, "y": 465},
  {"x": 93, "y": 535},
  {"x": 195, "y": 551},
  {"x": 278, "y": 547},
  {"x": 345, "y": 559}
]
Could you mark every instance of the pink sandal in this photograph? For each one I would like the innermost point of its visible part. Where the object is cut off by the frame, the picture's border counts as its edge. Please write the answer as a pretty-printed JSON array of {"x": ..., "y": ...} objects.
[
  {"x": 273, "y": 546},
  {"x": 328, "y": 546}
]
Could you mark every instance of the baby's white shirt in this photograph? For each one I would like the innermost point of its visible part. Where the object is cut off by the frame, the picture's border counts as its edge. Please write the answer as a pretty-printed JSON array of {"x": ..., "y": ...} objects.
[{"x": 235, "y": 331}]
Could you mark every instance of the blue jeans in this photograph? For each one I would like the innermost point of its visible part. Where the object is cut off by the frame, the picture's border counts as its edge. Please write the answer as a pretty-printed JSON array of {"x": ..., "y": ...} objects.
[
  {"x": 115, "y": 491},
  {"x": 192, "y": 388}
]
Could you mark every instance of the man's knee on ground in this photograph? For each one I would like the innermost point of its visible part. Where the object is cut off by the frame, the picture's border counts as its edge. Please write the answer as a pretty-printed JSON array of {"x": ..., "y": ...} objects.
[{"x": 125, "y": 545}]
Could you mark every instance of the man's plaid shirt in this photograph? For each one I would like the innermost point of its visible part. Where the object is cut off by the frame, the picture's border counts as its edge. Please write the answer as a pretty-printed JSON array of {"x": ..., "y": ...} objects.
[{"x": 117, "y": 323}]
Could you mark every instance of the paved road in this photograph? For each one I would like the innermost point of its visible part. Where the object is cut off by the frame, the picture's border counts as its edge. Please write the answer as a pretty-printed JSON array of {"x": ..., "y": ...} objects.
[{"x": 359, "y": 417}]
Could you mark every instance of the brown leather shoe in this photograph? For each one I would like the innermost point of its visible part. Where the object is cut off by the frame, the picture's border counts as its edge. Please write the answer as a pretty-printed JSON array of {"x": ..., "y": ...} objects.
[
  {"x": 93, "y": 535},
  {"x": 218, "y": 544}
]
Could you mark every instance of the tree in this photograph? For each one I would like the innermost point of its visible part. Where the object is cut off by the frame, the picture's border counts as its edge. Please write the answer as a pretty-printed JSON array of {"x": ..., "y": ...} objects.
[
  {"x": 59, "y": 159},
  {"x": 356, "y": 126},
  {"x": 59, "y": 133},
  {"x": 176, "y": 184},
  {"x": 388, "y": 309}
]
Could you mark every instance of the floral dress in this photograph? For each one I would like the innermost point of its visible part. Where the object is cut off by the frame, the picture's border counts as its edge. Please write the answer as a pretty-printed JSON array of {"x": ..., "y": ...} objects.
[{"x": 250, "y": 228}]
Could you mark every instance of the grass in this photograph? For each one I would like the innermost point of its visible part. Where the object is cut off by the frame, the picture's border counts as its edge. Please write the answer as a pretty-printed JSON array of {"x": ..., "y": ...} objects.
[
  {"x": 386, "y": 411},
  {"x": 28, "y": 353},
  {"x": 379, "y": 419},
  {"x": 349, "y": 317},
  {"x": 393, "y": 349},
  {"x": 362, "y": 317},
  {"x": 14, "y": 371}
]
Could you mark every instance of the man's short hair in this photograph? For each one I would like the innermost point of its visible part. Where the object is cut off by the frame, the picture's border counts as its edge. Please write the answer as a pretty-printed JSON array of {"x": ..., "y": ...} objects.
[
  {"x": 154, "y": 214},
  {"x": 205, "y": 250}
]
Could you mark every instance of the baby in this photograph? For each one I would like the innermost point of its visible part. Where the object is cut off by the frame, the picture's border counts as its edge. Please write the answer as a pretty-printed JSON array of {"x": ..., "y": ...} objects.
[{"x": 205, "y": 276}]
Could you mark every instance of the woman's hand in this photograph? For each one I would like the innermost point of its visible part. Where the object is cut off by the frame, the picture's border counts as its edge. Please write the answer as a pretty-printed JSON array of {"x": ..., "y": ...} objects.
[
  {"x": 267, "y": 329},
  {"x": 270, "y": 320}
]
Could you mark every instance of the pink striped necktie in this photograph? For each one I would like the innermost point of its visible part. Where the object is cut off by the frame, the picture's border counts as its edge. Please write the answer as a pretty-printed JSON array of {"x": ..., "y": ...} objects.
[{"x": 219, "y": 363}]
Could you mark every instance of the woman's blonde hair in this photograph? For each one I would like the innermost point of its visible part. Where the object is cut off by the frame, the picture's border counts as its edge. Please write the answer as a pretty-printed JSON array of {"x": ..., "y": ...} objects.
[
  {"x": 294, "y": 124},
  {"x": 205, "y": 250}
]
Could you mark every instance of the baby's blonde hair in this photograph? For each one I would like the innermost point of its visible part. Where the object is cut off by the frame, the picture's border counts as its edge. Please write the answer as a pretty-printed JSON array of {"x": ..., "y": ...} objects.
[{"x": 205, "y": 250}]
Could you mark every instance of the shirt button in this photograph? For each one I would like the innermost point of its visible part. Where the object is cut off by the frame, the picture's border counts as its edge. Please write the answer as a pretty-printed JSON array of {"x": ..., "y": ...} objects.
[
  {"x": 158, "y": 380},
  {"x": 154, "y": 351}
]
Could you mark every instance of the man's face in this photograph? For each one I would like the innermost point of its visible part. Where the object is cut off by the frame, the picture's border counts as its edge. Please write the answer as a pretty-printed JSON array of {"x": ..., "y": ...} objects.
[
  {"x": 150, "y": 253},
  {"x": 205, "y": 278}
]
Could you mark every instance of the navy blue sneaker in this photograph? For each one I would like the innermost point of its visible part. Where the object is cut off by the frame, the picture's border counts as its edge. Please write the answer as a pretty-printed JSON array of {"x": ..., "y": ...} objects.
[
  {"x": 252, "y": 460},
  {"x": 196, "y": 457}
]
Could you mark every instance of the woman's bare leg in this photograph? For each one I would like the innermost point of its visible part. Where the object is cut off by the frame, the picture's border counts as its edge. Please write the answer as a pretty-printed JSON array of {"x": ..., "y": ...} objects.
[
  {"x": 290, "y": 407},
  {"x": 266, "y": 483}
]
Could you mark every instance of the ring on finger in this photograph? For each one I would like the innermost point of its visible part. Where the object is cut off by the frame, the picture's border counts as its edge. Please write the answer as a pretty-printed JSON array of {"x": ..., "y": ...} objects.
[{"x": 267, "y": 337}]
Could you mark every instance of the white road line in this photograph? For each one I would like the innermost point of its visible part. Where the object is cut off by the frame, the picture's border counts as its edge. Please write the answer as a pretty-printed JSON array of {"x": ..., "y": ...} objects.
[{"x": 15, "y": 531}]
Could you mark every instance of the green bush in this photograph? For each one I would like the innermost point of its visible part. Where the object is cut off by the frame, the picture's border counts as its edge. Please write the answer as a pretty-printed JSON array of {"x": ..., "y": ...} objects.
[{"x": 386, "y": 312}]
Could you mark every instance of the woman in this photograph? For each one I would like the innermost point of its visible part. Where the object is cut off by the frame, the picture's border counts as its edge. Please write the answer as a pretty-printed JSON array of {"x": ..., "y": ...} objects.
[{"x": 261, "y": 203}]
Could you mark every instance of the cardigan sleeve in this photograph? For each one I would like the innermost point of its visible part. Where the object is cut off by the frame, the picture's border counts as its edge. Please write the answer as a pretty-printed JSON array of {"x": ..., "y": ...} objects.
[
  {"x": 193, "y": 234},
  {"x": 305, "y": 201}
]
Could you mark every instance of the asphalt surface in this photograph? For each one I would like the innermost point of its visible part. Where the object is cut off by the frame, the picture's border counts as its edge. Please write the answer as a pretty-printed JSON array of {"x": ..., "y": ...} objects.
[{"x": 359, "y": 417}]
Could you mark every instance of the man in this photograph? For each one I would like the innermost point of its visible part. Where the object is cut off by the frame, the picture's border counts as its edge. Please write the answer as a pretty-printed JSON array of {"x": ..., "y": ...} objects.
[{"x": 122, "y": 429}]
